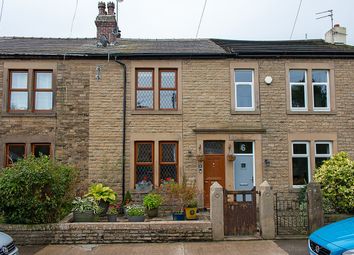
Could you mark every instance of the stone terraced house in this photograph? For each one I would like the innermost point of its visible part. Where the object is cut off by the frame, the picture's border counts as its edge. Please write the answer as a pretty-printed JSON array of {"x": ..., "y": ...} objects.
[{"x": 128, "y": 110}]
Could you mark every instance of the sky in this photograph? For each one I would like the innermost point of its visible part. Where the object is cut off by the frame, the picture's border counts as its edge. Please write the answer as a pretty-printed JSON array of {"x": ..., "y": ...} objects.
[{"x": 227, "y": 19}]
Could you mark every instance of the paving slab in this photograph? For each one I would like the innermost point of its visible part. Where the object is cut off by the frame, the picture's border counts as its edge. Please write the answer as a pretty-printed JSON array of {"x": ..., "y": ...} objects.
[{"x": 198, "y": 248}]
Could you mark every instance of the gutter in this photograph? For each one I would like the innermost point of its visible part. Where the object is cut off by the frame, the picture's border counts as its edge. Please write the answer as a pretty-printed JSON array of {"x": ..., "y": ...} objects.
[{"x": 124, "y": 122}]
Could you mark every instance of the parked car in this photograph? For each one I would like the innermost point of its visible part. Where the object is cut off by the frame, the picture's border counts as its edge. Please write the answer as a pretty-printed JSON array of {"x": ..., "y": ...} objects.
[
  {"x": 333, "y": 239},
  {"x": 7, "y": 245}
]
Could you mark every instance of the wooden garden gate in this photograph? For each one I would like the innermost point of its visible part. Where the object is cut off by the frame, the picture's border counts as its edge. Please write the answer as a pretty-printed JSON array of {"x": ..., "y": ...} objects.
[{"x": 240, "y": 212}]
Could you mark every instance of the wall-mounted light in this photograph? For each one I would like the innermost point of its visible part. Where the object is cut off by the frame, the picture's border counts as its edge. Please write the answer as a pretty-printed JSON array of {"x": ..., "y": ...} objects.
[
  {"x": 267, "y": 162},
  {"x": 268, "y": 80}
]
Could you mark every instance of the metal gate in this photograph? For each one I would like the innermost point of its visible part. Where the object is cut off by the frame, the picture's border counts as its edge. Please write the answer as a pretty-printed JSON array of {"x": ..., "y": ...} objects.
[
  {"x": 240, "y": 213},
  {"x": 291, "y": 216}
]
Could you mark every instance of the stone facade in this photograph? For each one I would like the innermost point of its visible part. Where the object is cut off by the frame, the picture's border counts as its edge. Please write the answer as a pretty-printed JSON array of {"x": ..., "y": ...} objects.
[{"x": 86, "y": 126}]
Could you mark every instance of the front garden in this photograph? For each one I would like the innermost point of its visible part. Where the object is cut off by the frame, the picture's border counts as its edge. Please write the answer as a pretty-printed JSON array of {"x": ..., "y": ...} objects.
[{"x": 41, "y": 190}]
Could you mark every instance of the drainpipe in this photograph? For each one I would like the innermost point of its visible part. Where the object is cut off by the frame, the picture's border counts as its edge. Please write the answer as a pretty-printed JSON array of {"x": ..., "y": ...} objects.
[{"x": 124, "y": 122}]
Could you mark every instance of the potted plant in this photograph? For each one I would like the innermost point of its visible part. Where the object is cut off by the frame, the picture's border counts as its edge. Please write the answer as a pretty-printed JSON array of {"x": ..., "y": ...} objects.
[
  {"x": 84, "y": 209},
  {"x": 135, "y": 213},
  {"x": 103, "y": 195},
  {"x": 152, "y": 202},
  {"x": 126, "y": 201},
  {"x": 191, "y": 210},
  {"x": 231, "y": 157},
  {"x": 112, "y": 212}
]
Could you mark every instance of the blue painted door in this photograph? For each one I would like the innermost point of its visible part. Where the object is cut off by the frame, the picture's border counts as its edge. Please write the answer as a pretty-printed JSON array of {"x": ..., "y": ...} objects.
[{"x": 243, "y": 167}]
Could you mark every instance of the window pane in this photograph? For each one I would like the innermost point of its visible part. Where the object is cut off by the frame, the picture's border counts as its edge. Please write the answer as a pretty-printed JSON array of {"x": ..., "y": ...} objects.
[
  {"x": 297, "y": 76},
  {"x": 169, "y": 153},
  {"x": 168, "y": 171},
  {"x": 19, "y": 80},
  {"x": 322, "y": 148},
  {"x": 214, "y": 147},
  {"x": 168, "y": 99},
  {"x": 168, "y": 79},
  {"x": 244, "y": 95},
  {"x": 15, "y": 153},
  {"x": 297, "y": 96},
  {"x": 41, "y": 149},
  {"x": 243, "y": 75},
  {"x": 144, "y": 173},
  {"x": 19, "y": 100},
  {"x": 319, "y": 161},
  {"x": 44, "y": 101},
  {"x": 300, "y": 148},
  {"x": 319, "y": 76},
  {"x": 300, "y": 171},
  {"x": 144, "y": 153},
  {"x": 43, "y": 80},
  {"x": 243, "y": 147},
  {"x": 145, "y": 79},
  {"x": 144, "y": 99},
  {"x": 320, "y": 95}
]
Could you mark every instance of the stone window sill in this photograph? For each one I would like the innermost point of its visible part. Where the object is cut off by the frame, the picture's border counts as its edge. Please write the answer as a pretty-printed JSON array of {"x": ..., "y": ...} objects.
[
  {"x": 135, "y": 112},
  {"x": 28, "y": 114}
]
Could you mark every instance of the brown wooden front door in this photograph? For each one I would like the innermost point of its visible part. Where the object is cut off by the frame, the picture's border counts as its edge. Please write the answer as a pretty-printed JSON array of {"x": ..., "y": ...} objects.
[{"x": 214, "y": 167}]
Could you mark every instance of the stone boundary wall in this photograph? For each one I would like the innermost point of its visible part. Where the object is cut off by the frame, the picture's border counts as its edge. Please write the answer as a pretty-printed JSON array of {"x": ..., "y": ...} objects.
[{"x": 101, "y": 233}]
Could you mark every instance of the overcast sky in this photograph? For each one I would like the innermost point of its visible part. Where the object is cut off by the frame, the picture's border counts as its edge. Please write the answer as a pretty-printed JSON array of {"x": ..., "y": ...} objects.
[{"x": 232, "y": 19}]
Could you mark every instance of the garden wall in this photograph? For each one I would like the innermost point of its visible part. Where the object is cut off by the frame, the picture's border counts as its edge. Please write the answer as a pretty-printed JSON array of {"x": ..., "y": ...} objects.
[{"x": 100, "y": 233}]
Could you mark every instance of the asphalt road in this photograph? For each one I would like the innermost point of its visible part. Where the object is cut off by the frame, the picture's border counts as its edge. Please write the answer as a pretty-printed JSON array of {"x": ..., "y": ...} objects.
[{"x": 279, "y": 247}]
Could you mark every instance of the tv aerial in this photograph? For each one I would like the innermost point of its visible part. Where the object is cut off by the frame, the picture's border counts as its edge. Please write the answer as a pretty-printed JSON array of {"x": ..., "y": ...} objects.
[{"x": 328, "y": 13}]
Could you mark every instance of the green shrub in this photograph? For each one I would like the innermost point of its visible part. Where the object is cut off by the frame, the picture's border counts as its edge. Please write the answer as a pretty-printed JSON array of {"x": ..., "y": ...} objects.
[
  {"x": 152, "y": 201},
  {"x": 336, "y": 177},
  {"x": 36, "y": 190}
]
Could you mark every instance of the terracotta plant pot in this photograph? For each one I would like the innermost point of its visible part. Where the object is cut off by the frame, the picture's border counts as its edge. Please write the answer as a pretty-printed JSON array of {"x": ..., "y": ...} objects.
[{"x": 152, "y": 213}]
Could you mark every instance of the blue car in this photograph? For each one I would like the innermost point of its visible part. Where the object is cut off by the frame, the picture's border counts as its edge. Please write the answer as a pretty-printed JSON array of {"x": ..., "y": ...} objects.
[{"x": 333, "y": 239}]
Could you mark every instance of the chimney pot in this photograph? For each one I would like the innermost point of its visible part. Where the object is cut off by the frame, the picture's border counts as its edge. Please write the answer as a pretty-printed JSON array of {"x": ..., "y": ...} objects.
[
  {"x": 110, "y": 7},
  {"x": 101, "y": 8}
]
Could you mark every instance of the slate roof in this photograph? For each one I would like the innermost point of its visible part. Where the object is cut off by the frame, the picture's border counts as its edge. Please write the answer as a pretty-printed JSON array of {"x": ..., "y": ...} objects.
[{"x": 169, "y": 48}]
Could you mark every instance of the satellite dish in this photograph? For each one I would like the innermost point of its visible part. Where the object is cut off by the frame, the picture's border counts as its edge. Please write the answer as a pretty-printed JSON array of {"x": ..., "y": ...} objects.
[{"x": 103, "y": 40}]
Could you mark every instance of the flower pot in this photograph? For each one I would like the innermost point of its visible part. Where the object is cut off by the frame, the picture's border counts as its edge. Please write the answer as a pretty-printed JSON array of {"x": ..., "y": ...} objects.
[
  {"x": 231, "y": 157},
  {"x": 178, "y": 216},
  {"x": 86, "y": 216},
  {"x": 104, "y": 207},
  {"x": 111, "y": 217},
  {"x": 152, "y": 213},
  {"x": 136, "y": 218},
  {"x": 200, "y": 158},
  {"x": 191, "y": 213}
]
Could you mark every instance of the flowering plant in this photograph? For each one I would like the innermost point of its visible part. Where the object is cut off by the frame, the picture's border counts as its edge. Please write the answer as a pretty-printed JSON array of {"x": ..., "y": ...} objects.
[
  {"x": 114, "y": 209},
  {"x": 135, "y": 210}
]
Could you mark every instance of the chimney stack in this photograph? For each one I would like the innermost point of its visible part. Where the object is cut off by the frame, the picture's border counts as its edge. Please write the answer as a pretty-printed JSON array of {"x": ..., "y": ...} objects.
[
  {"x": 106, "y": 23},
  {"x": 337, "y": 35}
]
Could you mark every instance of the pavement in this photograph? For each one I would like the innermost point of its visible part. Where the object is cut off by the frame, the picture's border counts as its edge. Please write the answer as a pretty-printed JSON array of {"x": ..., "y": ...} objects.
[{"x": 278, "y": 247}]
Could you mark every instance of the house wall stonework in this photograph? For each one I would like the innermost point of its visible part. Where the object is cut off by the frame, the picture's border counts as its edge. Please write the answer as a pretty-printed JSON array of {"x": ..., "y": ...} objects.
[{"x": 87, "y": 125}]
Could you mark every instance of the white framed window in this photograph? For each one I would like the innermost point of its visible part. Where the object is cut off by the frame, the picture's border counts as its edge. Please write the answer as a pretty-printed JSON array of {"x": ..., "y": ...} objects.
[
  {"x": 323, "y": 151},
  {"x": 320, "y": 90},
  {"x": 244, "y": 90},
  {"x": 298, "y": 90},
  {"x": 301, "y": 171}
]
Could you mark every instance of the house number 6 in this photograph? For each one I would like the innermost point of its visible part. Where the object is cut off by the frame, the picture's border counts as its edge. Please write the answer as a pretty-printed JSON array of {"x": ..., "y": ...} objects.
[{"x": 243, "y": 147}]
